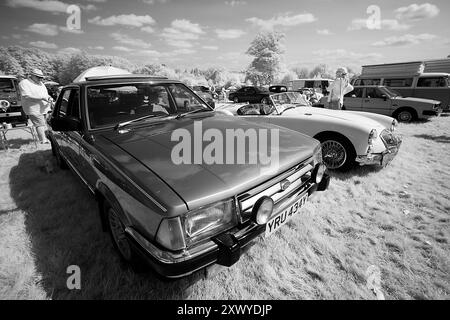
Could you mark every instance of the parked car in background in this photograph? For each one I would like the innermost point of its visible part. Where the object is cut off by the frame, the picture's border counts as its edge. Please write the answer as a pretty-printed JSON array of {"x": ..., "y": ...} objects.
[
  {"x": 319, "y": 84},
  {"x": 206, "y": 94},
  {"x": 115, "y": 133},
  {"x": 383, "y": 100},
  {"x": 347, "y": 137},
  {"x": 10, "y": 101},
  {"x": 434, "y": 86},
  {"x": 250, "y": 94}
]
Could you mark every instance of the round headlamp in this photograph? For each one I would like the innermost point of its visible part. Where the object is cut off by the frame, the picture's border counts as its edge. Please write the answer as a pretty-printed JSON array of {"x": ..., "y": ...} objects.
[
  {"x": 262, "y": 210},
  {"x": 319, "y": 172}
]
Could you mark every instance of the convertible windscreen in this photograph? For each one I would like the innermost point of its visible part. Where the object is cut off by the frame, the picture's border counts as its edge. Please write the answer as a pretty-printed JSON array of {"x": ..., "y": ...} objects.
[
  {"x": 108, "y": 105},
  {"x": 6, "y": 84}
]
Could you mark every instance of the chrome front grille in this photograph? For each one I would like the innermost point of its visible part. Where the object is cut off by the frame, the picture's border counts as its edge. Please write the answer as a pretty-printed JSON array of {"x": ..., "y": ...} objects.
[{"x": 297, "y": 178}]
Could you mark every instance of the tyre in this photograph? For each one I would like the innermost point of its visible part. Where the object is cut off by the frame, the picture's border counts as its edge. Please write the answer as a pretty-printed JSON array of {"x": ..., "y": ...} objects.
[
  {"x": 59, "y": 159},
  {"x": 337, "y": 152},
  {"x": 405, "y": 115},
  {"x": 120, "y": 241}
]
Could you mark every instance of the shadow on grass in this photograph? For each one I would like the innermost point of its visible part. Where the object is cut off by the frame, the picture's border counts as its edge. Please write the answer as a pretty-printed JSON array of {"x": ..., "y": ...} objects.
[
  {"x": 63, "y": 225},
  {"x": 356, "y": 171},
  {"x": 18, "y": 143},
  {"x": 440, "y": 139}
]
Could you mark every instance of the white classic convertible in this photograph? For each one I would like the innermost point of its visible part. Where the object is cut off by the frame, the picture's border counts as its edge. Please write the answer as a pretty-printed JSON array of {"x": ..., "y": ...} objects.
[{"x": 346, "y": 136}]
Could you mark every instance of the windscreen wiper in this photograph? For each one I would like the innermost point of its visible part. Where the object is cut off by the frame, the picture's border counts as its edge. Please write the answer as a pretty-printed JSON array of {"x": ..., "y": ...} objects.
[
  {"x": 182, "y": 115},
  {"x": 126, "y": 123}
]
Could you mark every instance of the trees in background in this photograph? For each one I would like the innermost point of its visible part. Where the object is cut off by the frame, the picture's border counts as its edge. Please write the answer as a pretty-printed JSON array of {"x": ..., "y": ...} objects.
[{"x": 267, "y": 50}]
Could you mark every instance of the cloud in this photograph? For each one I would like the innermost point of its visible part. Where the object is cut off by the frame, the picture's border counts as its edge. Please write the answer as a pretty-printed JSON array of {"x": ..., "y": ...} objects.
[
  {"x": 43, "y": 5},
  {"x": 229, "y": 33},
  {"x": 210, "y": 47},
  {"x": 285, "y": 20},
  {"x": 342, "y": 53},
  {"x": 341, "y": 57},
  {"x": 405, "y": 40},
  {"x": 124, "y": 49},
  {"x": 184, "y": 51},
  {"x": 54, "y": 6},
  {"x": 43, "y": 29},
  {"x": 416, "y": 12},
  {"x": 154, "y": 1},
  {"x": 187, "y": 26},
  {"x": 182, "y": 33},
  {"x": 44, "y": 45},
  {"x": 148, "y": 29},
  {"x": 75, "y": 31},
  {"x": 96, "y": 48},
  {"x": 129, "y": 41},
  {"x": 386, "y": 24},
  {"x": 69, "y": 50},
  {"x": 129, "y": 20},
  {"x": 324, "y": 32},
  {"x": 235, "y": 3}
]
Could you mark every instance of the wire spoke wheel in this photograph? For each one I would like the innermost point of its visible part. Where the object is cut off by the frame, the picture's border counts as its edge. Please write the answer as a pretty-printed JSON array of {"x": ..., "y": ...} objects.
[
  {"x": 334, "y": 154},
  {"x": 118, "y": 234}
]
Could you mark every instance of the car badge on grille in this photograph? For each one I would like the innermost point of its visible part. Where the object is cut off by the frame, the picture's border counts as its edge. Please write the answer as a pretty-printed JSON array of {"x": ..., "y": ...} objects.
[{"x": 285, "y": 184}]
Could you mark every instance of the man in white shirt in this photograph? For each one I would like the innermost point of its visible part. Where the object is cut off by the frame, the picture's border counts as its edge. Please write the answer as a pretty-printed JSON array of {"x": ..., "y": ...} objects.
[
  {"x": 340, "y": 87},
  {"x": 35, "y": 101}
]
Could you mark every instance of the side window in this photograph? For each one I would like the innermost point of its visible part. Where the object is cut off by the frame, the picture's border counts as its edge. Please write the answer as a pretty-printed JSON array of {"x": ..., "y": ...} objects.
[
  {"x": 373, "y": 93},
  {"x": 404, "y": 83},
  {"x": 367, "y": 82},
  {"x": 437, "y": 82},
  {"x": 357, "y": 93},
  {"x": 64, "y": 105},
  {"x": 74, "y": 104},
  {"x": 184, "y": 99}
]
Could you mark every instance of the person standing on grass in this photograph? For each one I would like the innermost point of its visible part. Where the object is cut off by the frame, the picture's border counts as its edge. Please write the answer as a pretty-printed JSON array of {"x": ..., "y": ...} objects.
[
  {"x": 35, "y": 101},
  {"x": 340, "y": 87}
]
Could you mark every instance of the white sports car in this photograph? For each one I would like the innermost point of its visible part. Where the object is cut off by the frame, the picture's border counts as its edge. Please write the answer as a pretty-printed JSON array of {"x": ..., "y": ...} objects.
[{"x": 346, "y": 136}]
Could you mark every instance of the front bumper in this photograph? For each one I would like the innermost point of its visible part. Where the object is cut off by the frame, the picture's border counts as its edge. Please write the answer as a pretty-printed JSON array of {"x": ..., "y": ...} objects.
[
  {"x": 224, "y": 249},
  {"x": 432, "y": 113},
  {"x": 381, "y": 159}
]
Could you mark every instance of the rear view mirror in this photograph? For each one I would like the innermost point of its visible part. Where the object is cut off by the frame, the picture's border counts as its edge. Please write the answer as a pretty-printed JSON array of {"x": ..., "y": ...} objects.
[{"x": 353, "y": 95}]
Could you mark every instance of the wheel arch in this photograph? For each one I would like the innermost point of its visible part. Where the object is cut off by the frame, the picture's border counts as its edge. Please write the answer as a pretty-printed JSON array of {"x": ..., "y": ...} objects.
[
  {"x": 400, "y": 109},
  {"x": 104, "y": 195},
  {"x": 326, "y": 134}
]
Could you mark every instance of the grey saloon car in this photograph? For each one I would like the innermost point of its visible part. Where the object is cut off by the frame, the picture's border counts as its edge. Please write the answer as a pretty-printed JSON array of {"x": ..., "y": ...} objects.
[{"x": 116, "y": 134}]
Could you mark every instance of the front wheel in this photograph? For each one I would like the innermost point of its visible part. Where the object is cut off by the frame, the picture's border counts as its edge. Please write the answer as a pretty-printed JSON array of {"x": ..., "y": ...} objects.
[
  {"x": 119, "y": 238},
  {"x": 405, "y": 116},
  {"x": 337, "y": 153},
  {"x": 59, "y": 159}
]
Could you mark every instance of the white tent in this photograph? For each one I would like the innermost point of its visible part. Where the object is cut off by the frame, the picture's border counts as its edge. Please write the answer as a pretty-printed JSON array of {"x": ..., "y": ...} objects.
[{"x": 100, "y": 72}]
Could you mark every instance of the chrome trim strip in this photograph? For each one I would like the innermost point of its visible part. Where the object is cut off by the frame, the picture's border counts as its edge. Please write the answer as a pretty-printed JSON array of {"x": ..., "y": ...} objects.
[
  {"x": 10, "y": 114},
  {"x": 77, "y": 172}
]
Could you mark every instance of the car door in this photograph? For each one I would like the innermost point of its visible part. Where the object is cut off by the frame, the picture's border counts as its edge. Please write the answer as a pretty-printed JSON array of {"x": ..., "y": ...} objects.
[
  {"x": 354, "y": 100},
  {"x": 61, "y": 110},
  {"x": 74, "y": 138},
  {"x": 376, "y": 102}
]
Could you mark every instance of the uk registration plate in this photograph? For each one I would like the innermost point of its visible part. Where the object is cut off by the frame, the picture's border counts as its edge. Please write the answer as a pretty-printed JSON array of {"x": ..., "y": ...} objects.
[{"x": 284, "y": 216}]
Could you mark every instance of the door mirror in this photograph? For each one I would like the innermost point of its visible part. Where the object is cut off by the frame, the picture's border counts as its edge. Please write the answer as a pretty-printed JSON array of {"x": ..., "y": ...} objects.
[
  {"x": 384, "y": 97},
  {"x": 65, "y": 124}
]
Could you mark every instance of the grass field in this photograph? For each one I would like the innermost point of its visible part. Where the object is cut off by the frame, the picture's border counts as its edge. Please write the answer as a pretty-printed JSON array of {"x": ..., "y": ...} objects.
[{"x": 396, "y": 219}]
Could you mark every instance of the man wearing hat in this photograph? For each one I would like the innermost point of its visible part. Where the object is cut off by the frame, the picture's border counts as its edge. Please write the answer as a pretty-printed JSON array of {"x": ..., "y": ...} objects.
[
  {"x": 339, "y": 89},
  {"x": 35, "y": 101}
]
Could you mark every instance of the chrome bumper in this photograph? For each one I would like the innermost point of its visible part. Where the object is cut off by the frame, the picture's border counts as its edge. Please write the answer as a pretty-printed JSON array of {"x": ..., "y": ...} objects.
[{"x": 381, "y": 159}]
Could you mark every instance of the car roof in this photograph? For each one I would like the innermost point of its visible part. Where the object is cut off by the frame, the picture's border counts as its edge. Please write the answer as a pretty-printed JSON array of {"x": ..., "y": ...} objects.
[
  {"x": 124, "y": 79},
  {"x": 434, "y": 74},
  {"x": 7, "y": 77}
]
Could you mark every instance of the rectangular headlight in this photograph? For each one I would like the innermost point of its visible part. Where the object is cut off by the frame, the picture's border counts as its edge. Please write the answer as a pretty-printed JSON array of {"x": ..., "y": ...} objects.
[{"x": 209, "y": 221}]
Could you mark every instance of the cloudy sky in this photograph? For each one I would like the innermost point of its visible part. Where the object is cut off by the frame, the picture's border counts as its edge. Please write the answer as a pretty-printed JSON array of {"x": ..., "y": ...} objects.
[{"x": 203, "y": 33}]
